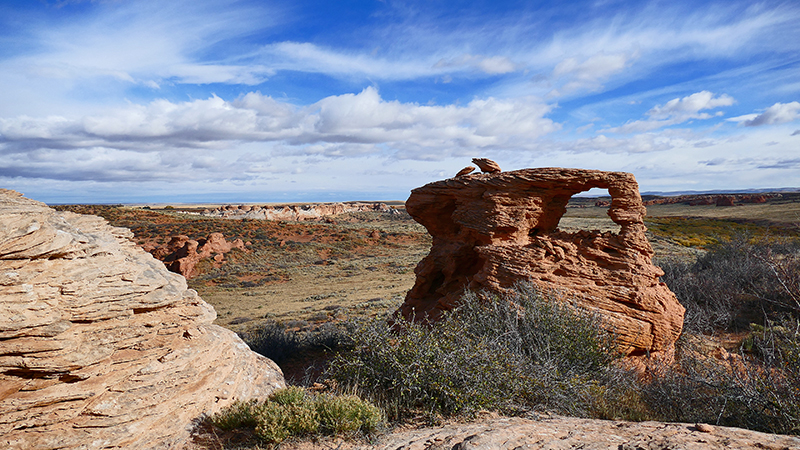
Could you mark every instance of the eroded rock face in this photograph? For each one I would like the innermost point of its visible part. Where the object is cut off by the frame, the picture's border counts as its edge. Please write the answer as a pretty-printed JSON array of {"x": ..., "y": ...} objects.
[
  {"x": 182, "y": 254},
  {"x": 493, "y": 230},
  {"x": 102, "y": 347}
]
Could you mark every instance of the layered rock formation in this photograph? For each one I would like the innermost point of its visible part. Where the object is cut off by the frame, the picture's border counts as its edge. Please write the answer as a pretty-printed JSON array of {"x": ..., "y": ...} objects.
[
  {"x": 491, "y": 231},
  {"x": 100, "y": 346},
  {"x": 182, "y": 254},
  {"x": 294, "y": 213}
]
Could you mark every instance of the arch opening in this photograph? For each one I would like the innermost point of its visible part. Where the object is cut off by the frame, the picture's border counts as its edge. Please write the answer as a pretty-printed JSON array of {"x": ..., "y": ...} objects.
[{"x": 588, "y": 211}]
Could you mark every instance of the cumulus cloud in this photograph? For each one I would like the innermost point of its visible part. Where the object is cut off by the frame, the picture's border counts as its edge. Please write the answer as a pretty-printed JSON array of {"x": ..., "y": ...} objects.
[
  {"x": 349, "y": 125},
  {"x": 676, "y": 111},
  {"x": 776, "y": 114}
]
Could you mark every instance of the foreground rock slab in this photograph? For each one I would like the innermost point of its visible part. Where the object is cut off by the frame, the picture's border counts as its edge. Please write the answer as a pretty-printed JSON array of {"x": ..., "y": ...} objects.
[
  {"x": 493, "y": 230},
  {"x": 100, "y": 346},
  {"x": 557, "y": 433}
]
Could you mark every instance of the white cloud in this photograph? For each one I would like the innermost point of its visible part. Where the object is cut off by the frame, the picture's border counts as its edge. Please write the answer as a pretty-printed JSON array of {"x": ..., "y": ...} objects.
[
  {"x": 689, "y": 107},
  {"x": 676, "y": 111},
  {"x": 775, "y": 114},
  {"x": 146, "y": 43},
  {"x": 492, "y": 65},
  {"x": 349, "y": 125},
  {"x": 588, "y": 74}
]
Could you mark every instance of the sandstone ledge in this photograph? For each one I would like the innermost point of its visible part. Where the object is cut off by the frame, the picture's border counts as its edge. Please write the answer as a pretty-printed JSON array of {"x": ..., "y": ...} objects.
[
  {"x": 562, "y": 433},
  {"x": 100, "y": 346}
]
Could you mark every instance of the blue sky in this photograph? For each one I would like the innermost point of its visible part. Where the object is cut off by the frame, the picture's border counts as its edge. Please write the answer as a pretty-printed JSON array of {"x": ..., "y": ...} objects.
[{"x": 259, "y": 101}]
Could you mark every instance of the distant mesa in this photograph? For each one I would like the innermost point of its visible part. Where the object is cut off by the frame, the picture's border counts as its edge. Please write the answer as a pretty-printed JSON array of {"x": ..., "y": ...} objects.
[
  {"x": 295, "y": 213},
  {"x": 704, "y": 199},
  {"x": 493, "y": 231},
  {"x": 100, "y": 345}
]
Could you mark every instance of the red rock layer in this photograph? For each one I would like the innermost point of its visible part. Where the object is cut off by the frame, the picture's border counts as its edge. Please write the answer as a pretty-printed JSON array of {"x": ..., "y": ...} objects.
[
  {"x": 182, "y": 254},
  {"x": 493, "y": 230}
]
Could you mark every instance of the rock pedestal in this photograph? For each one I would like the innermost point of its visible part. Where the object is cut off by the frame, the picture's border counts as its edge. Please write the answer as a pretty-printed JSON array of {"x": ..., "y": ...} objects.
[
  {"x": 491, "y": 231},
  {"x": 100, "y": 346}
]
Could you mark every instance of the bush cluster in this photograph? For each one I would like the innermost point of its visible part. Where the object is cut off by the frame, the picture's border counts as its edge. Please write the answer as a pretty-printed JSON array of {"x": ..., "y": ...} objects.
[
  {"x": 738, "y": 281},
  {"x": 758, "y": 391},
  {"x": 295, "y": 412},
  {"x": 741, "y": 284},
  {"x": 524, "y": 351}
]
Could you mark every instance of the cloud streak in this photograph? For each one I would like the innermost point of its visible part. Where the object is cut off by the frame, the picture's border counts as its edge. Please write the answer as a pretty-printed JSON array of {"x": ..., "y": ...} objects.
[{"x": 677, "y": 111}]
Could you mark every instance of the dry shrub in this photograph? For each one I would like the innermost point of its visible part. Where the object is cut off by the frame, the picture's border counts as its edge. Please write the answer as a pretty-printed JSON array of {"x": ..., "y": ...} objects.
[
  {"x": 518, "y": 353},
  {"x": 740, "y": 280}
]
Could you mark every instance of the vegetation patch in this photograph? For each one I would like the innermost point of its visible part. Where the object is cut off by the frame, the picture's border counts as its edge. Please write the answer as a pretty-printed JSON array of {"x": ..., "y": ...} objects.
[
  {"x": 699, "y": 232},
  {"x": 525, "y": 351},
  {"x": 295, "y": 412}
]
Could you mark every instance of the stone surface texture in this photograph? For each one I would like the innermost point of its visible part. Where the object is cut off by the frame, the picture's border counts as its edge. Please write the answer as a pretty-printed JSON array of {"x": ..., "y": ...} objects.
[
  {"x": 100, "y": 346},
  {"x": 491, "y": 231},
  {"x": 562, "y": 433},
  {"x": 486, "y": 165}
]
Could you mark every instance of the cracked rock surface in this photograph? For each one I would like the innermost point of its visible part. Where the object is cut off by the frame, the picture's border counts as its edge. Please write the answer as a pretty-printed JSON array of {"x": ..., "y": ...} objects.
[{"x": 100, "y": 346}]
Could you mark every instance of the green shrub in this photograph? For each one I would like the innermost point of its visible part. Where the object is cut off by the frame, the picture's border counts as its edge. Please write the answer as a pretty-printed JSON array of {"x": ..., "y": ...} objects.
[
  {"x": 238, "y": 415},
  {"x": 346, "y": 414},
  {"x": 523, "y": 351},
  {"x": 294, "y": 412}
]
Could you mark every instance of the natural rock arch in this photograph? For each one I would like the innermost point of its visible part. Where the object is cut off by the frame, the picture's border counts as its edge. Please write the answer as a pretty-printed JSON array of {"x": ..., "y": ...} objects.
[{"x": 492, "y": 230}]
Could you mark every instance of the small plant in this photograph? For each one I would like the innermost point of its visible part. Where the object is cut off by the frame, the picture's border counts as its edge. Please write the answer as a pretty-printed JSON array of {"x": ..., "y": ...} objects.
[
  {"x": 295, "y": 412},
  {"x": 347, "y": 414}
]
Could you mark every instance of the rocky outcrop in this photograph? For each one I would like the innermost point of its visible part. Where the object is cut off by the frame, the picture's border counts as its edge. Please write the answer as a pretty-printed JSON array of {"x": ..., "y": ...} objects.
[
  {"x": 182, "y": 254},
  {"x": 294, "y": 213},
  {"x": 100, "y": 346},
  {"x": 486, "y": 165},
  {"x": 465, "y": 171},
  {"x": 491, "y": 231}
]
